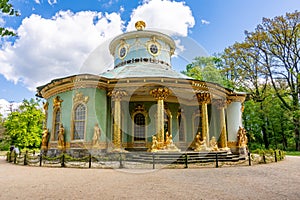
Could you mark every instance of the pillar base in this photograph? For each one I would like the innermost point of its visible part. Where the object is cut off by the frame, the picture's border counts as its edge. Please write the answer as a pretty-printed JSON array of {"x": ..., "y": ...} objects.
[
  {"x": 118, "y": 150},
  {"x": 243, "y": 151},
  {"x": 226, "y": 149}
]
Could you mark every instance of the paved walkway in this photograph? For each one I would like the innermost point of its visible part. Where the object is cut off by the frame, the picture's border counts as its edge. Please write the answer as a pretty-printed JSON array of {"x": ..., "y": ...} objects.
[{"x": 271, "y": 181}]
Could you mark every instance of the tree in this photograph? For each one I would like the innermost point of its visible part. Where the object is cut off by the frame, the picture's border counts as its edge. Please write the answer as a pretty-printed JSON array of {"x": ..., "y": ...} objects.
[
  {"x": 24, "y": 127},
  {"x": 8, "y": 9},
  {"x": 270, "y": 56},
  {"x": 207, "y": 69}
]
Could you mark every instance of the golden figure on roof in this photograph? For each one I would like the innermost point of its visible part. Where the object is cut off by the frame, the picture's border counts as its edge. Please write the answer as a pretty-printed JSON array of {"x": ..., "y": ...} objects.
[{"x": 140, "y": 25}]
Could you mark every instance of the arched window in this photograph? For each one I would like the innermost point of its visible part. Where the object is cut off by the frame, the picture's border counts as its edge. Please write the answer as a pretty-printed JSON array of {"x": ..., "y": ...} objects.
[
  {"x": 56, "y": 124},
  {"x": 139, "y": 127},
  {"x": 79, "y": 122},
  {"x": 181, "y": 128}
]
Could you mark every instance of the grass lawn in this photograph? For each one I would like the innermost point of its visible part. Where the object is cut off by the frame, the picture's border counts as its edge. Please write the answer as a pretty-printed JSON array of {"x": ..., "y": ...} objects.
[{"x": 292, "y": 153}]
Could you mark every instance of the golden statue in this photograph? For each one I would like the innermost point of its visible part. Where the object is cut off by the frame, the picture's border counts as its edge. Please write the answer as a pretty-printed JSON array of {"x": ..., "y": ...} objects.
[
  {"x": 45, "y": 106},
  {"x": 61, "y": 137},
  {"x": 57, "y": 102},
  {"x": 200, "y": 145},
  {"x": 169, "y": 145},
  {"x": 196, "y": 139},
  {"x": 242, "y": 137},
  {"x": 213, "y": 144},
  {"x": 140, "y": 25},
  {"x": 96, "y": 136},
  {"x": 45, "y": 138},
  {"x": 155, "y": 146}
]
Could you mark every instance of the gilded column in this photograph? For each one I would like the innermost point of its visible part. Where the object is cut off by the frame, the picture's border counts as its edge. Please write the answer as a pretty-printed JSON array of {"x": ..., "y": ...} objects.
[
  {"x": 204, "y": 99},
  {"x": 160, "y": 94},
  {"x": 116, "y": 96},
  {"x": 221, "y": 105}
]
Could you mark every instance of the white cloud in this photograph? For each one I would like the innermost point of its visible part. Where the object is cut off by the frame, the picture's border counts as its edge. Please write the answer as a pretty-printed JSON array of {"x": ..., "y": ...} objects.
[
  {"x": 51, "y": 2},
  {"x": 6, "y": 107},
  {"x": 203, "y": 21},
  {"x": 37, "y": 1},
  {"x": 173, "y": 16},
  {"x": 57, "y": 47},
  {"x": 71, "y": 43},
  {"x": 122, "y": 9}
]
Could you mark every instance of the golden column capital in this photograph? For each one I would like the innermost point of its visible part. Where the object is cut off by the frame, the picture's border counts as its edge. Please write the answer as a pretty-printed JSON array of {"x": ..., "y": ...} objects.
[
  {"x": 117, "y": 94},
  {"x": 160, "y": 93},
  {"x": 203, "y": 97}
]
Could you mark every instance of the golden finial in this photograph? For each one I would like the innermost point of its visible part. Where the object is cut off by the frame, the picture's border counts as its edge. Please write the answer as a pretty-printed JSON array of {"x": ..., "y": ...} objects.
[{"x": 140, "y": 25}]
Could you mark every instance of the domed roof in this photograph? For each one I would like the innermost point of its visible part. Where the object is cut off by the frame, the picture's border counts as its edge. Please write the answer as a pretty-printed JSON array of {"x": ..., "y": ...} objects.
[
  {"x": 142, "y": 53},
  {"x": 143, "y": 70}
]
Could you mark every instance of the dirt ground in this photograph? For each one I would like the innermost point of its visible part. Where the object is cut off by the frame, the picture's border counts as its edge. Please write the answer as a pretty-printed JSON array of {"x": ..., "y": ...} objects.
[{"x": 266, "y": 181}]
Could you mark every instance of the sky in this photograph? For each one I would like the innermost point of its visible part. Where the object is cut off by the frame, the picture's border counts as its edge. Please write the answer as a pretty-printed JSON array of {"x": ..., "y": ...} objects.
[{"x": 57, "y": 38}]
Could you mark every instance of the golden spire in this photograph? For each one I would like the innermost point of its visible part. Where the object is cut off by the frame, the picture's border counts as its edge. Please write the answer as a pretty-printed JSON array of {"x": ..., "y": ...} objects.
[{"x": 140, "y": 25}]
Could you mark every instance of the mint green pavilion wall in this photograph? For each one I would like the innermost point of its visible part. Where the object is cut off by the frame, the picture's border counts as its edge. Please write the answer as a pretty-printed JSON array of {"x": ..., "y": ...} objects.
[
  {"x": 96, "y": 113},
  {"x": 149, "y": 109}
]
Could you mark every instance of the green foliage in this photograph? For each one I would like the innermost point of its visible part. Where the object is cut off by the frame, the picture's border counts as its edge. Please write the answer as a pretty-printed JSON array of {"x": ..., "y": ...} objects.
[
  {"x": 207, "y": 69},
  {"x": 7, "y": 8},
  {"x": 24, "y": 127},
  {"x": 293, "y": 153},
  {"x": 266, "y": 64}
]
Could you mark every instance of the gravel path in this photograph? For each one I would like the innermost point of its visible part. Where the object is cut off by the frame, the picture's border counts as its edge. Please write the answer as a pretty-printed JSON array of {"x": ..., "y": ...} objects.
[{"x": 270, "y": 181}]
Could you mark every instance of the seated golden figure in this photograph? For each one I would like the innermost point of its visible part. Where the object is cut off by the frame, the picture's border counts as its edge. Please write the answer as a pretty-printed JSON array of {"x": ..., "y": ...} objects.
[
  {"x": 200, "y": 145},
  {"x": 213, "y": 144}
]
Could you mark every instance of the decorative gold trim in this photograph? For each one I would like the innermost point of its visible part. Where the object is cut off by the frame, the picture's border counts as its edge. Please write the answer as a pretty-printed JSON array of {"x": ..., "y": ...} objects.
[
  {"x": 57, "y": 102},
  {"x": 78, "y": 98},
  {"x": 124, "y": 45},
  {"x": 160, "y": 93},
  {"x": 140, "y": 25},
  {"x": 117, "y": 94},
  {"x": 203, "y": 97},
  {"x": 153, "y": 42},
  {"x": 237, "y": 98}
]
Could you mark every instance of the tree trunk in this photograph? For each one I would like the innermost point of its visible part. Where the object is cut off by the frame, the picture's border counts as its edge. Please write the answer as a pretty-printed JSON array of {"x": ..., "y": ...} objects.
[{"x": 263, "y": 127}]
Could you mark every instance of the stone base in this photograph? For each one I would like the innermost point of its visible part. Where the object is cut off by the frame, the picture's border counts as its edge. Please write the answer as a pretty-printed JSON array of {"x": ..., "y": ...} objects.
[
  {"x": 118, "y": 150},
  {"x": 243, "y": 151}
]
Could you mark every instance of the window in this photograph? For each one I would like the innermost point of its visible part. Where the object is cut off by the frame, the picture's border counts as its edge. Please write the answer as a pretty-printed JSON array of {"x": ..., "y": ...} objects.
[
  {"x": 139, "y": 127},
  {"x": 56, "y": 124},
  {"x": 79, "y": 122}
]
